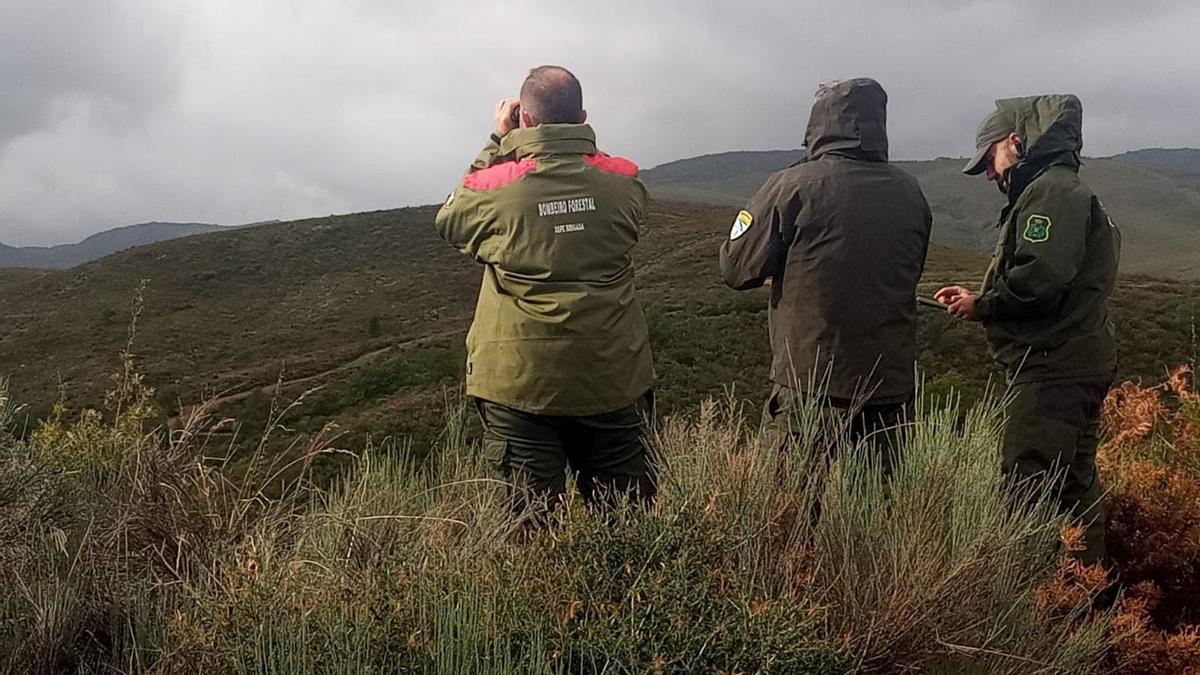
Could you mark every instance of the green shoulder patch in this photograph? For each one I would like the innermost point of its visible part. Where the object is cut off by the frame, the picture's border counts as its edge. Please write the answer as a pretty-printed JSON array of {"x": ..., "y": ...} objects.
[{"x": 1037, "y": 228}]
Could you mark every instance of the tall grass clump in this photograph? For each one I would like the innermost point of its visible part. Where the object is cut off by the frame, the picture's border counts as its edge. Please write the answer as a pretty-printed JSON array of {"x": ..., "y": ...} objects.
[
  {"x": 127, "y": 549},
  {"x": 938, "y": 566},
  {"x": 106, "y": 522}
]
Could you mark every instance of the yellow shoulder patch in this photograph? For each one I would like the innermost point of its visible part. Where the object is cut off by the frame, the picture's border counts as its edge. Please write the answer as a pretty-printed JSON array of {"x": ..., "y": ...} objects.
[{"x": 740, "y": 225}]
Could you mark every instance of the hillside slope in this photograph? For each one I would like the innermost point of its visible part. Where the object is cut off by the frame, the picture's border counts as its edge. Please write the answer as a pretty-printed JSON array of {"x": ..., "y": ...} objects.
[
  {"x": 371, "y": 309},
  {"x": 1157, "y": 207},
  {"x": 232, "y": 307}
]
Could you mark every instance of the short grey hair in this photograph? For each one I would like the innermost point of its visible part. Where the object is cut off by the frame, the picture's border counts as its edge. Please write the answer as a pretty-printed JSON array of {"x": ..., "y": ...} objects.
[{"x": 552, "y": 95}]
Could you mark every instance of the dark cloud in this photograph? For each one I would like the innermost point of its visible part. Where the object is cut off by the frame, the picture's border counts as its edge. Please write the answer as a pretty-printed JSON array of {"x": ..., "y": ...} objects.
[
  {"x": 114, "y": 62},
  {"x": 233, "y": 111}
]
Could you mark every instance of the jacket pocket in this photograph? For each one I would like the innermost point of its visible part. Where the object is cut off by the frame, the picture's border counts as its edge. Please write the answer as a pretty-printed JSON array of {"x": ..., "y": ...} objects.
[
  {"x": 1076, "y": 402},
  {"x": 495, "y": 450}
]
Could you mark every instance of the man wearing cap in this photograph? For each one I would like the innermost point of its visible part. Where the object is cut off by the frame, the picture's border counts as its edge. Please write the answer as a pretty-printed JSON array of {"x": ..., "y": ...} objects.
[
  {"x": 1044, "y": 299},
  {"x": 841, "y": 237},
  {"x": 558, "y": 356}
]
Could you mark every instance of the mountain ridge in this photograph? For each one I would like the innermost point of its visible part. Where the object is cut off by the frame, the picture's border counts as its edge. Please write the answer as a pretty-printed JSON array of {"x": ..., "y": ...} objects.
[
  {"x": 99, "y": 245},
  {"x": 1184, "y": 160},
  {"x": 1156, "y": 203}
]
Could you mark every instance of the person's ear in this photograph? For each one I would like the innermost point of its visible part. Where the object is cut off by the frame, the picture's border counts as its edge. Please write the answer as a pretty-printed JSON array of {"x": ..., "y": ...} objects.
[
  {"x": 526, "y": 120},
  {"x": 582, "y": 116},
  {"x": 1015, "y": 140}
]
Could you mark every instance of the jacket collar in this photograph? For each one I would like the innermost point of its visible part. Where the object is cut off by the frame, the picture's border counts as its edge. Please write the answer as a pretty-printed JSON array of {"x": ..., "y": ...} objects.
[
  {"x": 549, "y": 139},
  {"x": 1027, "y": 171}
]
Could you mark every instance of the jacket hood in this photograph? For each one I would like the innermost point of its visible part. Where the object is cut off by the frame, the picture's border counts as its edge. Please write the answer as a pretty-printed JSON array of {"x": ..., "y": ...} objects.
[
  {"x": 1051, "y": 131},
  {"x": 849, "y": 118},
  {"x": 1049, "y": 125}
]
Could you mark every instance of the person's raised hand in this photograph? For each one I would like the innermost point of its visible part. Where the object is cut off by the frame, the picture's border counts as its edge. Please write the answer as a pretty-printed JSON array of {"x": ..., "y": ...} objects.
[{"x": 506, "y": 115}]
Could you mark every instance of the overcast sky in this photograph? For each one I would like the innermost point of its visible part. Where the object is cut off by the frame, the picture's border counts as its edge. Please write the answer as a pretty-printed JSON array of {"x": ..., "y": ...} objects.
[{"x": 232, "y": 111}]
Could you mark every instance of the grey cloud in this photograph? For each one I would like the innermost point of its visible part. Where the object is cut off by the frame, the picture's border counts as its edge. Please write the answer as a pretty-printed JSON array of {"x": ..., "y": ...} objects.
[
  {"x": 233, "y": 111},
  {"x": 113, "y": 61}
]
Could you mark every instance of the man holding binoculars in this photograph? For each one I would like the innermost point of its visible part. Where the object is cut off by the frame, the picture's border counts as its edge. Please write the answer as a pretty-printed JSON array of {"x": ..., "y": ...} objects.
[{"x": 558, "y": 356}]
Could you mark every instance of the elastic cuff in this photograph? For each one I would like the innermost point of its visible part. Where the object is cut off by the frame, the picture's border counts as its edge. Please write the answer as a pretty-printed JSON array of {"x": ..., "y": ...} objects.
[{"x": 983, "y": 308}]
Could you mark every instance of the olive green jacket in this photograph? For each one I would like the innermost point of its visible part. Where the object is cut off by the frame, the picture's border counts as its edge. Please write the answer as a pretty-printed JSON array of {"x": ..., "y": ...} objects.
[
  {"x": 843, "y": 236},
  {"x": 1044, "y": 300},
  {"x": 558, "y": 328}
]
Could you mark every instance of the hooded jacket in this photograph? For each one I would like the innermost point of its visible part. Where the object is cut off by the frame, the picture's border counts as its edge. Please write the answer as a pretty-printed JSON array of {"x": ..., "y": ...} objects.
[
  {"x": 843, "y": 236},
  {"x": 558, "y": 328},
  {"x": 1044, "y": 300}
]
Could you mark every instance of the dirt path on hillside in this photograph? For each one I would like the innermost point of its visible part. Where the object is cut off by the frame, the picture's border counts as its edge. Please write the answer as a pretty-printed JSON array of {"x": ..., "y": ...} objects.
[
  {"x": 651, "y": 266},
  {"x": 359, "y": 360}
]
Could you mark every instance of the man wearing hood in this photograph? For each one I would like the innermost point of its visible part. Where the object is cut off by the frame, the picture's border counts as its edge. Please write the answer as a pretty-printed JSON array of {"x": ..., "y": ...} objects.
[
  {"x": 1044, "y": 299},
  {"x": 841, "y": 238},
  {"x": 558, "y": 356}
]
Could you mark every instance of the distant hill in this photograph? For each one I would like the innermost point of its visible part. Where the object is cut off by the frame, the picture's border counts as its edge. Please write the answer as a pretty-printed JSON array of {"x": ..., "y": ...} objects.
[
  {"x": 721, "y": 165},
  {"x": 98, "y": 245},
  {"x": 1183, "y": 160},
  {"x": 1156, "y": 203}
]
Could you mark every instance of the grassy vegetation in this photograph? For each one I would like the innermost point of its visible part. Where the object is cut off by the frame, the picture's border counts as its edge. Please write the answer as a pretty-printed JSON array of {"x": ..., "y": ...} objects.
[
  {"x": 124, "y": 553},
  {"x": 127, "y": 554}
]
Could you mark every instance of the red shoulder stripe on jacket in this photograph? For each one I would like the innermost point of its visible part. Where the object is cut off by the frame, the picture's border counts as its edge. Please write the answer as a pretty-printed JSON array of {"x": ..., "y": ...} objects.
[
  {"x": 498, "y": 175},
  {"x": 610, "y": 164}
]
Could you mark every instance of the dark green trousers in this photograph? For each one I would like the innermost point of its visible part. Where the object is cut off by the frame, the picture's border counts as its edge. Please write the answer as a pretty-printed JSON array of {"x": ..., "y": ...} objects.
[
  {"x": 1053, "y": 429},
  {"x": 608, "y": 454},
  {"x": 879, "y": 424}
]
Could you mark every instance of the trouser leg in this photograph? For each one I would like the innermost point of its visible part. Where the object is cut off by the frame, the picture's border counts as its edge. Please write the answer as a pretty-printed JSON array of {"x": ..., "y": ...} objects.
[
  {"x": 879, "y": 424},
  {"x": 1053, "y": 429},
  {"x": 611, "y": 456},
  {"x": 781, "y": 423},
  {"x": 882, "y": 427},
  {"x": 1083, "y": 494},
  {"x": 528, "y": 450}
]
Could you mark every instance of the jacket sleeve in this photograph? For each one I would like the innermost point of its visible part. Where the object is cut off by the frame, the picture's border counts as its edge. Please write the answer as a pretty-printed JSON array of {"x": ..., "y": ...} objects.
[
  {"x": 488, "y": 156},
  {"x": 1050, "y": 235},
  {"x": 927, "y": 216},
  {"x": 760, "y": 235},
  {"x": 464, "y": 220},
  {"x": 641, "y": 201}
]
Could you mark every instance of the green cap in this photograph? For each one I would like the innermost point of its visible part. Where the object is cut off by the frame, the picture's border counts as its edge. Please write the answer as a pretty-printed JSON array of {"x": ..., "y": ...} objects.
[{"x": 994, "y": 127}]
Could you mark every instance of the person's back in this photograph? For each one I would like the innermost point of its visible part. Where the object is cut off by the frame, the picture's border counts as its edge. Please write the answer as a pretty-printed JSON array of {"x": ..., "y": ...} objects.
[
  {"x": 558, "y": 356},
  {"x": 846, "y": 301},
  {"x": 558, "y": 329},
  {"x": 843, "y": 237}
]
